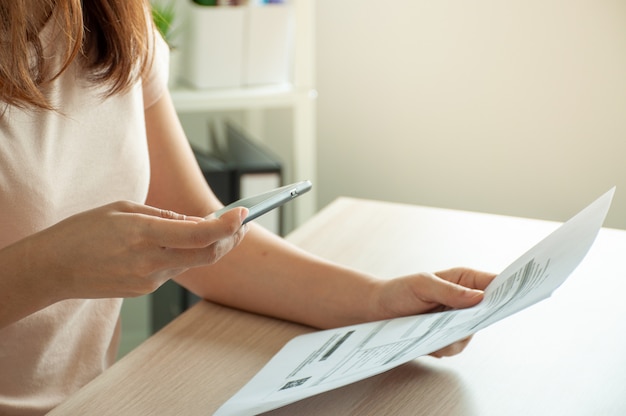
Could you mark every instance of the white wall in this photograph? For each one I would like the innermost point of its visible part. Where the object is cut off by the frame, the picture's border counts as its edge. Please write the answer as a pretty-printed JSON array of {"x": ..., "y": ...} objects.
[{"x": 515, "y": 107}]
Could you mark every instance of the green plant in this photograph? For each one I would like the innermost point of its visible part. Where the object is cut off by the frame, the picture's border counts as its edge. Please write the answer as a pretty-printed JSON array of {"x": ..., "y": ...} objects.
[{"x": 163, "y": 15}]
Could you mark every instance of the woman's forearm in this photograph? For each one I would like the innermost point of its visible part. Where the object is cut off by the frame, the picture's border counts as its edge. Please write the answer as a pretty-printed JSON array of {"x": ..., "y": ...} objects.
[
  {"x": 22, "y": 290},
  {"x": 267, "y": 275}
]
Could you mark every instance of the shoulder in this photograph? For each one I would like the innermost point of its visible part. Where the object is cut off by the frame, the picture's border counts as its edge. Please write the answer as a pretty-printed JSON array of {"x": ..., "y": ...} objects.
[{"x": 154, "y": 83}]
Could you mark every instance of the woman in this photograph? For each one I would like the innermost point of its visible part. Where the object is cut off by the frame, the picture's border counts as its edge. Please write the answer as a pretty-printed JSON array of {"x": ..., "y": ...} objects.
[{"x": 101, "y": 199}]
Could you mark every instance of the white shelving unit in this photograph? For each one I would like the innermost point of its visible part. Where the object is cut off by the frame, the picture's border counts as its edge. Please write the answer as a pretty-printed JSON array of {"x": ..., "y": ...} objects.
[{"x": 298, "y": 96}]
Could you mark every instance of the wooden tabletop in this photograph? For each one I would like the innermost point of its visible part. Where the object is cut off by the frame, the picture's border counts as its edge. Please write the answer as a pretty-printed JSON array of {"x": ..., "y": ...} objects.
[{"x": 563, "y": 356}]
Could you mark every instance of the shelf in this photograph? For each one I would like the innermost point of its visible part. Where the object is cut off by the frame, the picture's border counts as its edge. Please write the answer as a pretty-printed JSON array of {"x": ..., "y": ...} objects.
[
  {"x": 187, "y": 100},
  {"x": 299, "y": 96}
]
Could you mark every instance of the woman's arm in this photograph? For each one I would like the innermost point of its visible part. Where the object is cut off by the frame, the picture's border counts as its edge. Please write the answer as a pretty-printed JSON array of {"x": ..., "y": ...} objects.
[
  {"x": 21, "y": 293},
  {"x": 266, "y": 274}
]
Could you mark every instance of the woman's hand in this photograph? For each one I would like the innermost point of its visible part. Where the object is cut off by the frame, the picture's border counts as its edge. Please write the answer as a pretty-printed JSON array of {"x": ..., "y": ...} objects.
[
  {"x": 425, "y": 292},
  {"x": 126, "y": 249}
]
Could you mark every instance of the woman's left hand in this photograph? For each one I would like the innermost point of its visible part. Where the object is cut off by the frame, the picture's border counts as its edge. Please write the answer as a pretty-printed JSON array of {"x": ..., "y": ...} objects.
[{"x": 431, "y": 292}]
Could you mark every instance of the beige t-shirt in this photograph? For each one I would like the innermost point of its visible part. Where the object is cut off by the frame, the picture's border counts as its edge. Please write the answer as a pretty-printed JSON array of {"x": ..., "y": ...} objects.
[{"x": 52, "y": 166}]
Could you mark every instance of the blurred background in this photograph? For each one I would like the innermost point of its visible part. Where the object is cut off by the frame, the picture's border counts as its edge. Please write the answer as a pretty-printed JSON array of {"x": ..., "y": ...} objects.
[{"x": 515, "y": 108}]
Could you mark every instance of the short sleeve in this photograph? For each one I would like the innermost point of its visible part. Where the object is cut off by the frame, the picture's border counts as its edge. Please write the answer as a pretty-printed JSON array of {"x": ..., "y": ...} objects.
[{"x": 154, "y": 82}]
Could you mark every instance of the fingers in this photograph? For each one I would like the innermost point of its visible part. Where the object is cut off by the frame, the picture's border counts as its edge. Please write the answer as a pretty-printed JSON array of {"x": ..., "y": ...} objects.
[
  {"x": 178, "y": 241},
  {"x": 467, "y": 277},
  {"x": 191, "y": 257},
  {"x": 452, "y": 349},
  {"x": 200, "y": 241},
  {"x": 456, "y": 288},
  {"x": 181, "y": 232},
  {"x": 459, "y": 287},
  {"x": 437, "y": 291}
]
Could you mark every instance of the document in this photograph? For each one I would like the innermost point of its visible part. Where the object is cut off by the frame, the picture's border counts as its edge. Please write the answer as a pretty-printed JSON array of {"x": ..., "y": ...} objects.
[{"x": 320, "y": 361}]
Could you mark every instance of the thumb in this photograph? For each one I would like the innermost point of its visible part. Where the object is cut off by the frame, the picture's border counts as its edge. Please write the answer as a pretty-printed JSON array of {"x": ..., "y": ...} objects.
[
  {"x": 238, "y": 215},
  {"x": 459, "y": 297},
  {"x": 439, "y": 291}
]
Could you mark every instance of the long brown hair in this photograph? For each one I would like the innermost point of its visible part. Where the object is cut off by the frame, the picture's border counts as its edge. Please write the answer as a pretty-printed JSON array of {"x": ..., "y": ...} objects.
[{"x": 109, "y": 37}]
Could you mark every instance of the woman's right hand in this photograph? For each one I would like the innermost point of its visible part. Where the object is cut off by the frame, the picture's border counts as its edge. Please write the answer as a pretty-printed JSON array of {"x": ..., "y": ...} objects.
[{"x": 126, "y": 249}]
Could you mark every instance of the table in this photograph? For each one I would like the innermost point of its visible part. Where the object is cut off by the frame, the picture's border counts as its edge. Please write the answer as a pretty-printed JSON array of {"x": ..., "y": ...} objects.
[{"x": 563, "y": 356}]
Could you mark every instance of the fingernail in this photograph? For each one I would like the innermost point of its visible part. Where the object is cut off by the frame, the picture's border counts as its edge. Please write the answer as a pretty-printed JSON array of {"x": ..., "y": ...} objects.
[
  {"x": 244, "y": 214},
  {"x": 472, "y": 293}
]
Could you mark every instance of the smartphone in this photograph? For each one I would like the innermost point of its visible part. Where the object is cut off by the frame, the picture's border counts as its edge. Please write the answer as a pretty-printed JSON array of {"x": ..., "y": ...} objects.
[{"x": 260, "y": 204}]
